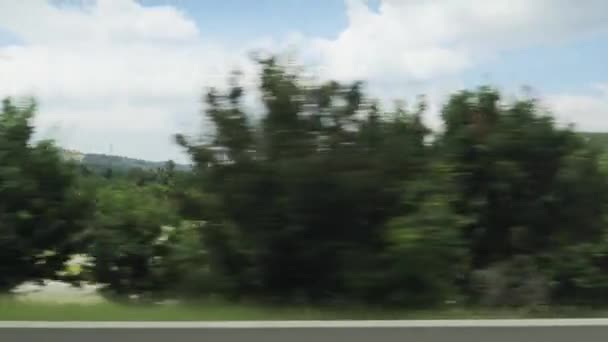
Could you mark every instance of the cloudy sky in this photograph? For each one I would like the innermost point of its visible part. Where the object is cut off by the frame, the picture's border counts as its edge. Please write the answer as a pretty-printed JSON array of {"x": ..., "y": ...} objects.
[{"x": 130, "y": 73}]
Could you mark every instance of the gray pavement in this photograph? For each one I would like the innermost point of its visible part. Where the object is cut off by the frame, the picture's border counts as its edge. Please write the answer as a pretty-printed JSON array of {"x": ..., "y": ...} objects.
[{"x": 414, "y": 333}]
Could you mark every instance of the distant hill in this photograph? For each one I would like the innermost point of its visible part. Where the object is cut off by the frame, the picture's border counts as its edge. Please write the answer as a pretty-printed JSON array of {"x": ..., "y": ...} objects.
[
  {"x": 124, "y": 163},
  {"x": 97, "y": 161}
]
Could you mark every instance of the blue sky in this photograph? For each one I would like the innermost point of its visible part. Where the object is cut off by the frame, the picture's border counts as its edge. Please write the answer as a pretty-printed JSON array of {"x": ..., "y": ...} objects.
[
  {"x": 562, "y": 66},
  {"x": 243, "y": 20},
  {"x": 567, "y": 66},
  {"x": 130, "y": 72}
]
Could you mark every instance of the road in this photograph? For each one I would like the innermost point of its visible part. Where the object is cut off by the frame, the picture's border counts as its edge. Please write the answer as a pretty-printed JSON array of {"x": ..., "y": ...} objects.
[{"x": 336, "y": 331}]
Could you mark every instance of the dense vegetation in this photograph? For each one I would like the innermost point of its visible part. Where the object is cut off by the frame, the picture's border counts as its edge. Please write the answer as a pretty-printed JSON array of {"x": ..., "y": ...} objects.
[
  {"x": 327, "y": 198},
  {"x": 100, "y": 163}
]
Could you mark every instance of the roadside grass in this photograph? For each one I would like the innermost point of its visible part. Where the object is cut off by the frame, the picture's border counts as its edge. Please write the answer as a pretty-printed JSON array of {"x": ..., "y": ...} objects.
[{"x": 12, "y": 309}]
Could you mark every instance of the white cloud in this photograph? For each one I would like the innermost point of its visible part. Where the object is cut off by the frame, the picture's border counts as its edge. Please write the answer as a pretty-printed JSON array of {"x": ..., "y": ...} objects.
[
  {"x": 588, "y": 110},
  {"x": 111, "y": 72},
  {"x": 426, "y": 39},
  {"x": 116, "y": 72},
  {"x": 408, "y": 47},
  {"x": 95, "y": 22}
]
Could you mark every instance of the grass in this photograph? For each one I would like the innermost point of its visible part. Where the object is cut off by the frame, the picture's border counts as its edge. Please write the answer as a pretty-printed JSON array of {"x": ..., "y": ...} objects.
[
  {"x": 60, "y": 302},
  {"x": 18, "y": 310}
]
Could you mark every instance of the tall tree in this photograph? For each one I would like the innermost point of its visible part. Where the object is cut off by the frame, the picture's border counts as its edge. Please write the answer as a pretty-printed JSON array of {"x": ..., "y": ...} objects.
[
  {"x": 307, "y": 192},
  {"x": 42, "y": 211},
  {"x": 530, "y": 186}
]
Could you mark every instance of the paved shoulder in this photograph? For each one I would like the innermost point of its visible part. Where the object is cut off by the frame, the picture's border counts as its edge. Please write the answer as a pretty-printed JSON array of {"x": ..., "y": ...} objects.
[{"x": 589, "y": 330}]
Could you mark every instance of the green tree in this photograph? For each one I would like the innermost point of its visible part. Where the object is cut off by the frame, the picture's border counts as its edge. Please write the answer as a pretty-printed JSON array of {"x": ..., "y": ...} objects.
[
  {"x": 529, "y": 186},
  {"x": 42, "y": 210},
  {"x": 128, "y": 238},
  {"x": 425, "y": 258},
  {"x": 295, "y": 199}
]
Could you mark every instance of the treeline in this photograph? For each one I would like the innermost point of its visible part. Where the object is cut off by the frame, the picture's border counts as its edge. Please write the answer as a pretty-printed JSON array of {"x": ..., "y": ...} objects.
[
  {"x": 325, "y": 198},
  {"x": 101, "y": 163}
]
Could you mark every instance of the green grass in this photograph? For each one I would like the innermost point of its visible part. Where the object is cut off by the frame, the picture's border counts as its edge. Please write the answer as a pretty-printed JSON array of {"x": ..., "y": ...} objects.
[{"x": 15, "y": 310}]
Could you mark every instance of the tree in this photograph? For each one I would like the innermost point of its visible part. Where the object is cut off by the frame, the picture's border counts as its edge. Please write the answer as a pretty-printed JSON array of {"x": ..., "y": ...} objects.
[
  {"x": 42, "y": 210},
  {"x": 425, "y": 258},
  {"x": 294, "y": 199},
  {"x": 529, "y": 186},
  {"x": 128, "y": 238}
]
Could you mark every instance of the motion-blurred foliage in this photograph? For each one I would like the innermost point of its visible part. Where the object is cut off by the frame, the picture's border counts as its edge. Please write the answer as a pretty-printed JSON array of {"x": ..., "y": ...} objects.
[
  {"x": 325, "y": 198},
  {"x": 43, "y": 213}
]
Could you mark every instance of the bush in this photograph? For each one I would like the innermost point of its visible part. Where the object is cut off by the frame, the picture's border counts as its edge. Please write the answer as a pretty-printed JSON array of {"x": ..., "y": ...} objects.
[{"x": 515, "y": 283}]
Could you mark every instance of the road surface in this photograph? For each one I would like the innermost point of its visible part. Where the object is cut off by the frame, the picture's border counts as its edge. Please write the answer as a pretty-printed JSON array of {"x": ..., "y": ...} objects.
[{"x": 587, "y": 330}]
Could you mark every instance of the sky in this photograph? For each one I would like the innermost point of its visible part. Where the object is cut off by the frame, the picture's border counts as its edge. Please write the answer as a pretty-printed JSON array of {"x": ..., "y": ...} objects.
[{"x": 130, "y": 74}]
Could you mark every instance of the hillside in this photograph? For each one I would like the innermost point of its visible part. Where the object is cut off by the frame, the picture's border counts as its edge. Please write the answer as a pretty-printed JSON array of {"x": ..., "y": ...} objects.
[
  {"x": 123, "y": 163},
  {"x": 97, "y": 161}
]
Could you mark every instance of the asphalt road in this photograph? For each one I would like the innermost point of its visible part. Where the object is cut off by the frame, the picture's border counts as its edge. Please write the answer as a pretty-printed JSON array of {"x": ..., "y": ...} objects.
[{"x": 589, "y": 332}]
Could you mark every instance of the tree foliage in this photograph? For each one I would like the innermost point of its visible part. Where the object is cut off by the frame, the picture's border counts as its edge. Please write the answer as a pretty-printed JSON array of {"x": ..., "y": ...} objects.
[
  {"x": 42, "y": 210},
  {"x": 324, "y": 197}
]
